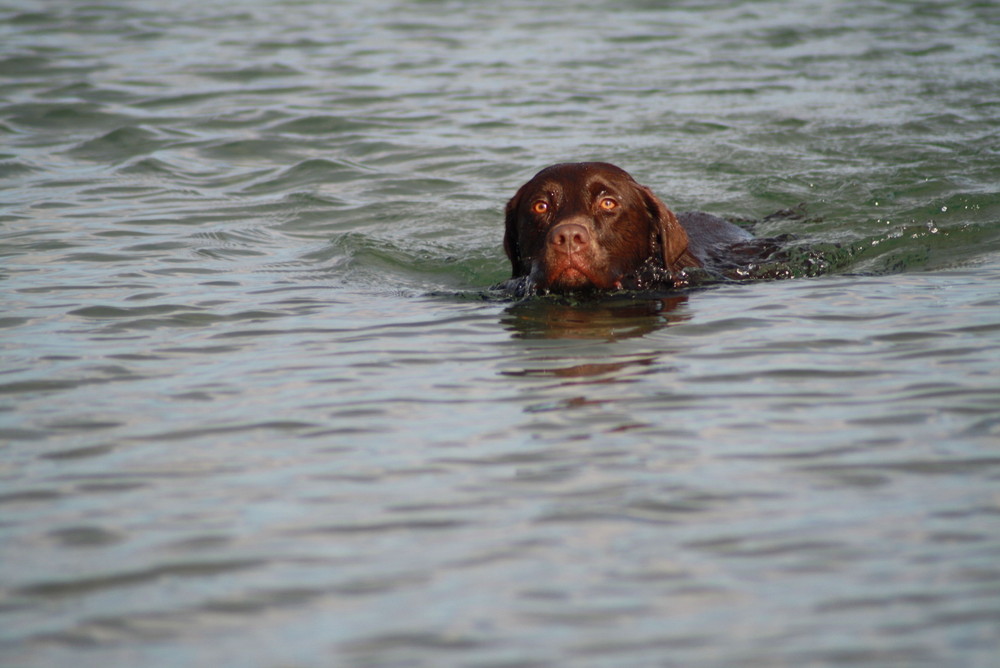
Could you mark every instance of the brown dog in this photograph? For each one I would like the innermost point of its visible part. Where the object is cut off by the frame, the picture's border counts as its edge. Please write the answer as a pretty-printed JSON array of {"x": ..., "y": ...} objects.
[{"x": 589, "y": 226}]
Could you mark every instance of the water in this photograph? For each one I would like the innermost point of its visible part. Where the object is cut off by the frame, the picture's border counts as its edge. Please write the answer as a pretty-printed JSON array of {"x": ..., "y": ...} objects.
[{"x": 255, "y": 409}]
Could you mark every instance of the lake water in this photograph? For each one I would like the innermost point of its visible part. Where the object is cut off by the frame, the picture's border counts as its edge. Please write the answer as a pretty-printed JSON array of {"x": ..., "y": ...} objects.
[{"x": 259, "y": 408}]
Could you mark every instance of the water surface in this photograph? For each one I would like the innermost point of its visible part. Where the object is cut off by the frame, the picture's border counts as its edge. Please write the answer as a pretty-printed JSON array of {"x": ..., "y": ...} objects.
[{"x": 258, "y": 408}]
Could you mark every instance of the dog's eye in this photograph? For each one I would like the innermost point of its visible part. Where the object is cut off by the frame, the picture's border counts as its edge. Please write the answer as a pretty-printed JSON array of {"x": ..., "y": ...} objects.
[
  {"x": 540, "y": 207},
  {"x": 608, "y": 204}
]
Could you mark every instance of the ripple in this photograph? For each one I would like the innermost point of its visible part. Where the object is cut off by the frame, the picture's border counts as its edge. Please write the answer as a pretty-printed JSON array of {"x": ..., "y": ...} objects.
[
  {"x": 86, "y": 536},
  {"x": 251, "y": 150},
  {"x": 411, "y": 641},
  {"x": 324, "y": 124},
  {"x": 950, "y": 466},
  {"x": 279, "y": 426},
  {"x": 146, "y": 318},
  {"x": 121, "y": 144},
  {"x": 389, "y": 527},
  {"x": 313, "y": 172},
  {"x": 82, "y": 452},
  {"x": 62, "y": 116},
  {"x": 243, "y": 74},
  {"x": 253, "y": 603},
  {"x": 86, "y": 585},
  {"x": 15, "y": 168}
]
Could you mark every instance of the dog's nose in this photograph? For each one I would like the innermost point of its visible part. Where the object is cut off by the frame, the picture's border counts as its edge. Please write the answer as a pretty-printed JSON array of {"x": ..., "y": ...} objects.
[{"x": 569, "y": 237}]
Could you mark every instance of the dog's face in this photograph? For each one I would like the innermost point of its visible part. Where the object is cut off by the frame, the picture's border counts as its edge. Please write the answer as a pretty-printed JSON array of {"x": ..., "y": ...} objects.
[{"x": 589, "y": 225}]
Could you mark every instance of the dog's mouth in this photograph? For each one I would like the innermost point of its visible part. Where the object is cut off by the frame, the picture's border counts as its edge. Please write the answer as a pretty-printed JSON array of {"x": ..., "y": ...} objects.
[{"x": 573, "y": 275}]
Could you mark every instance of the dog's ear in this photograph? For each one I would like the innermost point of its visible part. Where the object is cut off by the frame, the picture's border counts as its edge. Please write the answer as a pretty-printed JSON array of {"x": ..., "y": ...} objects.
[
  {"x": 673, "y": 240},
  {"x": 511, "y": 242}
]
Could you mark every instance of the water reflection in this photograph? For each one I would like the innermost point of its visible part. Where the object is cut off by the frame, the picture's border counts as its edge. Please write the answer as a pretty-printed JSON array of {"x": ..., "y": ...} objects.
[
  {"x": 584, "y": 371},
  {"x": 611, "y": 319}
]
